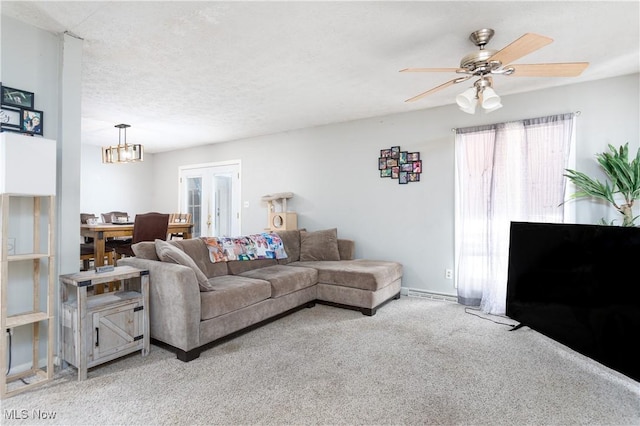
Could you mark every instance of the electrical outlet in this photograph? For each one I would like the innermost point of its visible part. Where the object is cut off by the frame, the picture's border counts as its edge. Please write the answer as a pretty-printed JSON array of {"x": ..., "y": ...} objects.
[{"x": 448, "y": 274}]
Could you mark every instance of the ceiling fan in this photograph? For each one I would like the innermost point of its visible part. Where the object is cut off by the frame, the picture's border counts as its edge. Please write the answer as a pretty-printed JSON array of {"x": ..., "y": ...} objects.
[{"x": 486, "y": 63}]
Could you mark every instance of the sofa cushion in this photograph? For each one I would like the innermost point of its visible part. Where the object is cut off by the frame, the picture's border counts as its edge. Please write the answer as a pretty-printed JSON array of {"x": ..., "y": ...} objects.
[
  {"x": 237, "y": 267},
  {"x": 363, "y": 274},
  {"x": 291, "y": 241},
  {"x": 145, "y": 250},
  {"x": 230, "y": 293},
  {"x": 198, "y": 251},
  {"x": 169, "y": 253},
  {"x": 319, "y": 245},
  {"x": 284, "y": 279}
]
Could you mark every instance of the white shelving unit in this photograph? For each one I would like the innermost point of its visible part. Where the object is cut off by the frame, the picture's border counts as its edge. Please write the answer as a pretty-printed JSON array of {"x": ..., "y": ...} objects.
[{"x": 27, "y": 269}]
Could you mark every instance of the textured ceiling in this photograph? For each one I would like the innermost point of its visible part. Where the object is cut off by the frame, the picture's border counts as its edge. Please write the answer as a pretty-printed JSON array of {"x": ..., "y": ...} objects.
[{"x": 189, "y": 73}]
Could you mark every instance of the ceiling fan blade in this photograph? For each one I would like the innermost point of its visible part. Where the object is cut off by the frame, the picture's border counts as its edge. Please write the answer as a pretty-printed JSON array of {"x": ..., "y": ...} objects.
[
  {"x": 570, "y": 69},
  {"x": 523, "y": 46},
  {"x": 430, "y": 70},
  {"x": 435, "y": 89}
]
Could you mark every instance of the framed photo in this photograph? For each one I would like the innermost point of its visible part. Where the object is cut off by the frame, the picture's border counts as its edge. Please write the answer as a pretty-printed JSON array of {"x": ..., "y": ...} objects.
[
  {"x": 10, "y": 117},
  {"x": 385, "y": 153},
  {"x": 417, "y": 167},
  {"x": 395, "y": 171},
  {"x": 413, "y": 156},
  {"x": 31, "y": 121},
  {"x": 395, "y": 151},
  {"x": 392, "y": 162},
  {"x": 414, "y": 177},
  {"x": 385, "y": 173},
  {"x": 403, "y": 157},
  {"x": 403, "y": 178},
  {"x": 406, "y": 167},
  {"x": 17, "y": 98},
  {"x": 382, "y": 163}
]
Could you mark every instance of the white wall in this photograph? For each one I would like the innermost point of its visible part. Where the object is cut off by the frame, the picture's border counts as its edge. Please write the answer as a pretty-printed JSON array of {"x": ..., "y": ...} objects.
[
  {"x": 332, "y": 170},
  {"x": 115, "y": 187},
  {"x": 50, "y": 68}
]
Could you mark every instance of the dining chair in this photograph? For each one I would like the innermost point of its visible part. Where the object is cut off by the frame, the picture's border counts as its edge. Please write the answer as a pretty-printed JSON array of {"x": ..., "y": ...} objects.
[
  {"x": 111, "y": 217},
  {"x": 179, "y": 218},
  {"x": 84, "y": 219},
  {"x": 146, "y": 227},
  {"x": 87, "y": 254}
]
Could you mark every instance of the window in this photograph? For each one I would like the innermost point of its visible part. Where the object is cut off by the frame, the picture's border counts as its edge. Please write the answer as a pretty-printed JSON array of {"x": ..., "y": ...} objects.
[{"x": 504, "y": 172}]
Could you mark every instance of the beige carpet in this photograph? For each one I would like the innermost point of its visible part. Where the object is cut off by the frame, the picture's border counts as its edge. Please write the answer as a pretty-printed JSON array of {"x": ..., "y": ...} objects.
[{"x": 418, "y": 361}]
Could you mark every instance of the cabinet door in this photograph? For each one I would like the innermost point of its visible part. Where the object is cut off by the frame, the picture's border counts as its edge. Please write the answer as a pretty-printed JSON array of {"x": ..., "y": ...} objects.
[{"x": 117, "y": 331}]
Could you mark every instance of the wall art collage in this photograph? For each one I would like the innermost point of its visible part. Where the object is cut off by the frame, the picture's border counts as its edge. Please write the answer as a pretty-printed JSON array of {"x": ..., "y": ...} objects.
[
  {"x": 17, "y": 113},
  {"x": 402, "y": 165}
]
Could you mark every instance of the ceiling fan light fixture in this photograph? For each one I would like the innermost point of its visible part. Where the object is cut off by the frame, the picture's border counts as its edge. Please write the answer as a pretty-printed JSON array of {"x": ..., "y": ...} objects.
[
  {"x": 485, "y": 63},
  {"x": 490, "y": 99},
  {"x": 467, "y": 99},
  {"x": 488, "y": 110},
  {"x": 471, "y": 109}
]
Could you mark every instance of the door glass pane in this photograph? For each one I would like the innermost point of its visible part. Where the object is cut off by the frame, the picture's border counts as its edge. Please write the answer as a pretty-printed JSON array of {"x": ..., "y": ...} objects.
[
  {"x": 194, "y": 203},
  {"x": 223, "y": 211}
]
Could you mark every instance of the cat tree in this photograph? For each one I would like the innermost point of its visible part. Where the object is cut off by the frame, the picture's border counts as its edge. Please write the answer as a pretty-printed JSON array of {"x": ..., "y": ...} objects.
[{"x": 281, "y": 220}]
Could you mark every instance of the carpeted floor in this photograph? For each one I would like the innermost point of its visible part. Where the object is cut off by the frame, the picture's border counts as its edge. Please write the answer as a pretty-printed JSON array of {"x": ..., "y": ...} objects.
[{"x": 417, "y": 361}]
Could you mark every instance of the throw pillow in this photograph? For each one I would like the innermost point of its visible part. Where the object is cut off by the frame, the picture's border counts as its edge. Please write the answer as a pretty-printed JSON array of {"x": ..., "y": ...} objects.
[
  {"x": 291, "y": 241},
  {"x": 145, "y": 250},
  {"x": 169, "y": 253},
  {"x": 319, "y": 245}
]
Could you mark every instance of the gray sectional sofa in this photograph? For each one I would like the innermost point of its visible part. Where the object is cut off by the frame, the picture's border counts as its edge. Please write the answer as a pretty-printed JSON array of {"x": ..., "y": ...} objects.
[{"x": 196, "y": 303}]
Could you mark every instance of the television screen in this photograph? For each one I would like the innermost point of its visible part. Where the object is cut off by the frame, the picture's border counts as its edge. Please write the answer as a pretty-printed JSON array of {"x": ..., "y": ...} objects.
[{"x": 579, "y": 285}]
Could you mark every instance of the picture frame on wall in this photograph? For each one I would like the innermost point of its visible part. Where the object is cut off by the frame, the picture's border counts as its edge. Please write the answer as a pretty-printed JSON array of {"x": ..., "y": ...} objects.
[
  {"x": 31, "y": 121},
  {"x": 403, "y": 157},
  {"x": 17, "y": 98},
  {"x": 405, "y": 166},
  {"x": 10, "y": 117},
  {"x": 385, "y": 153}
]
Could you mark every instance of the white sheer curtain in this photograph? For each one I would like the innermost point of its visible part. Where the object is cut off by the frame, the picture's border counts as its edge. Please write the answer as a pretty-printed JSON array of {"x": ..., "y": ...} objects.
[{"x": 504, "y": 172}]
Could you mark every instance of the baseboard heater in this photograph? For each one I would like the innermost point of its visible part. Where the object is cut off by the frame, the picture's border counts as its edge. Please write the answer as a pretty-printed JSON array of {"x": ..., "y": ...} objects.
[{"x": 413, "y": 292}]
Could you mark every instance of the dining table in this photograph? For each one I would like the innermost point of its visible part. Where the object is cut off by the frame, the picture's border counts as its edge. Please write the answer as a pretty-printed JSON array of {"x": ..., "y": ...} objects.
[{"x": 102, "y": 231}]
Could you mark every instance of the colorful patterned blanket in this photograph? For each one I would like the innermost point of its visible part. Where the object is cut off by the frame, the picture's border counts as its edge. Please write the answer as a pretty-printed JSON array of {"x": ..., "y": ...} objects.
[{"x": 249, "y": 247}]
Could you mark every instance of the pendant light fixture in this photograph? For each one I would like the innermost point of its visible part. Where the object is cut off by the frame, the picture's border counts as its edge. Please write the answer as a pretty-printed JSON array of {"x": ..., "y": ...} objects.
[{"x": 123, "y": 152}]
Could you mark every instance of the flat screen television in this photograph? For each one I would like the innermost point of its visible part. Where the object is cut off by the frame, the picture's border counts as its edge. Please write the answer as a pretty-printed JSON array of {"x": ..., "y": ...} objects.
[{"x": 579, "y": 285}]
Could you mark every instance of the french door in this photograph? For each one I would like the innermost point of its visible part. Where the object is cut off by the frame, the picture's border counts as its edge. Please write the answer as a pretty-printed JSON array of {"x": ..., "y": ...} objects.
[{"x": 211, "y": 193}]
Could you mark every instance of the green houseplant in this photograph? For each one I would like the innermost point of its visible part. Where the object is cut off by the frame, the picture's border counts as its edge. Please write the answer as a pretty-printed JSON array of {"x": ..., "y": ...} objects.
[{"x": 624, "y": 177}]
